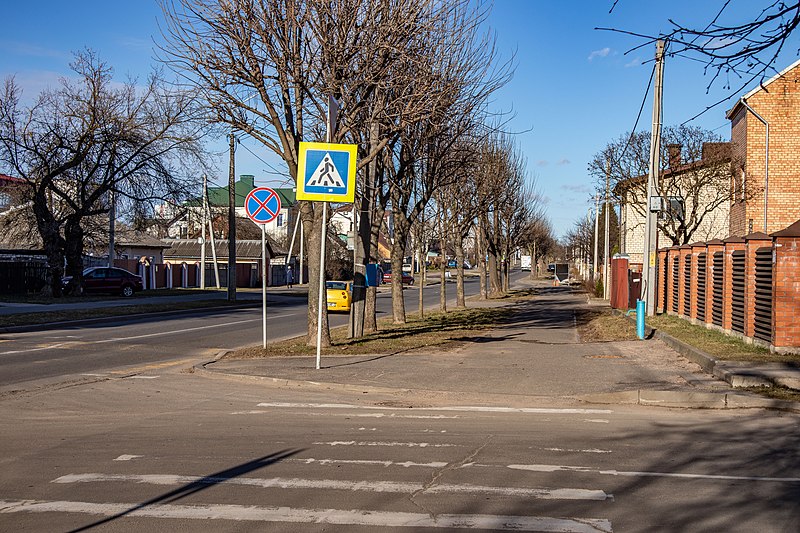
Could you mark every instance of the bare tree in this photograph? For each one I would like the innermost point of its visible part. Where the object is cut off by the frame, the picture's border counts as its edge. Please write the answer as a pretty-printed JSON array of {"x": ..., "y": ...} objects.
[
  {"x": 736, "y": 52},
  {"x": 693, "y": 188},
  {"x": 89, "y": 138}
]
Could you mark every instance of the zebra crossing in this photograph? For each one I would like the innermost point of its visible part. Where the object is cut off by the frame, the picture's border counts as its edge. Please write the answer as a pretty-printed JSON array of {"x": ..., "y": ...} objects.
[{"x": 407, "y": 484}]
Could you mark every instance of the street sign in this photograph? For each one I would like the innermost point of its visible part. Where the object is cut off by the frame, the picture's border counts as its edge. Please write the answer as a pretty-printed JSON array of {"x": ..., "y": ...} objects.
[
  {"x": 326, "y": 172},
  {"x": 262, "y": 205}
]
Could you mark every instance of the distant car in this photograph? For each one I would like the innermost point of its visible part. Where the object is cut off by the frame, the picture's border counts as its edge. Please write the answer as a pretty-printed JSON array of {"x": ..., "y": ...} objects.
[
  {"x": 108, "y": 279},
  {"x": 452, "y": 263},
  {"x": 338, "y": 295},
  {"x": 408, "y": 279}
]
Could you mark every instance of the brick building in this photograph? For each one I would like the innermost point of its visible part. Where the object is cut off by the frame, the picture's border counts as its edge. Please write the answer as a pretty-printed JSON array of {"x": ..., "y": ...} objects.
[{"x": 777, "y": 101}]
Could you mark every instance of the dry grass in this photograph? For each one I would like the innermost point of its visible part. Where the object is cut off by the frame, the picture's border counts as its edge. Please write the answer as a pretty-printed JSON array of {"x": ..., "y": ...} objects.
[
  {"x": 439, "y": 330},
  {"x": 715, "y": 343},
  {"x": 601, "y": 325},
  {"x": 776, "y": 393}
]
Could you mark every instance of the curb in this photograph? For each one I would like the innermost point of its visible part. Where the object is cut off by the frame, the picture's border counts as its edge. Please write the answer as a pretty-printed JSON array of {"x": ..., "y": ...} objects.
[{"x": 736, "y": 378}]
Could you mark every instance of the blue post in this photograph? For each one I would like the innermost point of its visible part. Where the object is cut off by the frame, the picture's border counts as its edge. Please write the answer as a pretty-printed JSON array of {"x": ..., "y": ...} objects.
[{"x": 640, "y": 312}]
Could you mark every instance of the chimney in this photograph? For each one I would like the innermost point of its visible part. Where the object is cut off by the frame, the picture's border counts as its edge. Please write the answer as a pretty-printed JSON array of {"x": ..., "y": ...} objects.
[
  {"x": 716, "y": 151},
  {"x": 674, "y": 151},
  {"x": 248, "y": 180}
]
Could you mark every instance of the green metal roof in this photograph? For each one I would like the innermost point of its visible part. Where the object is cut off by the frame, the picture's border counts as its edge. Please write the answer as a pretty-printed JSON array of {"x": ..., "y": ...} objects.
[{"x": 218, "y": 196}]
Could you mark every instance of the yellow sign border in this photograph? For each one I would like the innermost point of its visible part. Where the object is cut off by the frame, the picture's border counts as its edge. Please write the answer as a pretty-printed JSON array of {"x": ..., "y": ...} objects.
[{"x": 349, "y": 196}]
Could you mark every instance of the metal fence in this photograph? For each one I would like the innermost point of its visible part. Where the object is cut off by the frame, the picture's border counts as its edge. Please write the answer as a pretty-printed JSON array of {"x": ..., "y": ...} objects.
[{"x": 22, "y": 277}]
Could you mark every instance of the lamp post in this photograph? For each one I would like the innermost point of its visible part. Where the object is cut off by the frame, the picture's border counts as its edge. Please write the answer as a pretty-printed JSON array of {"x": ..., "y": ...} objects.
[{"x": 766, "y": 159}]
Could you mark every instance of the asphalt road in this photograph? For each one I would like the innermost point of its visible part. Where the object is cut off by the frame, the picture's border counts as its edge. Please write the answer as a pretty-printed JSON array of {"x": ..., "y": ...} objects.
[
  {"x": 168, "y": 450},
  {"x": 82, "y": 353}
]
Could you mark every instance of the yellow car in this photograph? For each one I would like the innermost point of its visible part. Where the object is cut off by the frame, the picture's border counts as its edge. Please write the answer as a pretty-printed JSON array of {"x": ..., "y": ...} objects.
[{"x": 338, "y": 295}]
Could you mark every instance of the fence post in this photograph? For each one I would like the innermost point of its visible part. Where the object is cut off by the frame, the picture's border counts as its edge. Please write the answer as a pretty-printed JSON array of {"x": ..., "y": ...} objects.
[
  {"x": 786, "y": 290},
  {"x": 713, "y": 292}
]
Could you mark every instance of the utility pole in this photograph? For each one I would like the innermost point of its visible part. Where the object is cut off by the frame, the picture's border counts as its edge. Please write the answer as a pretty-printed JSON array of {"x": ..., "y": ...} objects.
[
  {"x": 203, "y": 235},
  {"x": 232, "y": 220},
  {"x": 653, "y": 200},
  {"x": 607, "y": 244},
  {"x": 596, "y": 229}
]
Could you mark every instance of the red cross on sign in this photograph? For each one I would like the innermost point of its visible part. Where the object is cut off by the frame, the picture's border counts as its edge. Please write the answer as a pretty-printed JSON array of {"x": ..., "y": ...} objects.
[{"x": 262, "y": 205}]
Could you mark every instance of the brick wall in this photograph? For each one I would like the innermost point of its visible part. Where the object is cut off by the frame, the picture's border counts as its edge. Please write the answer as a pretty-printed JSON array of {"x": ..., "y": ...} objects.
[
  {"x": 786, "y": 290},
  {"x": 779, "y": 104}
]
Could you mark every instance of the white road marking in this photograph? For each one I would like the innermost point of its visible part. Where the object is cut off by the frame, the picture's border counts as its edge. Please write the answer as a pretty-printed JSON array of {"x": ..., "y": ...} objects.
[
  {"x": 336, "y": 484},
  {"x": 95, "y": 375},
  {"x": 360, "y": 415},
  {"x": 596, "y": 420},
  {"x": 388, "y": 444},
  {"x": 365, "y": 462},
  {"x": 593, "y": 470},
  {"x": 143, "y": 377},
  {"x": 569, "y": 450},
  {"x": 126, "y": 457},
  {"x": 174, "y": 331},
  {"x": 477, "y": 409},
  {"x": 41, "y": 348},
  {"x": 375, "y": 519}
]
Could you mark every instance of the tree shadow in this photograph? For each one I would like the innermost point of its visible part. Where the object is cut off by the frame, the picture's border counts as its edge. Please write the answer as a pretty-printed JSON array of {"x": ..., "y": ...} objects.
[{"x": 200, "y": 485}]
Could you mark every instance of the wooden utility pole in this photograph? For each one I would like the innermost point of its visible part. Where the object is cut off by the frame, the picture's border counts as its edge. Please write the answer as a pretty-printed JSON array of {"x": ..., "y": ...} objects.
[
  {"x": 653, "y": 200},
  {"x": 232, "y": 221},
  {"x": 607, "y": 232}
]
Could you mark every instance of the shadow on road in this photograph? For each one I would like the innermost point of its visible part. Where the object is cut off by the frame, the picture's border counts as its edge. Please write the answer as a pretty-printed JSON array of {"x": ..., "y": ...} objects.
[{"x": 199, "y": 485}]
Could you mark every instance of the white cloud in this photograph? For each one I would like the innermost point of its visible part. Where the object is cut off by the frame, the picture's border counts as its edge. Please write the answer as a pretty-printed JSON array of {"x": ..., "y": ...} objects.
[
  {"x": 20, "y": 48},
  {"x": 635, "y": 62},
  {"x": 603, "y": 52},
  {"x": 542, "y": 163},
  {"x": 563, "y": 161}
]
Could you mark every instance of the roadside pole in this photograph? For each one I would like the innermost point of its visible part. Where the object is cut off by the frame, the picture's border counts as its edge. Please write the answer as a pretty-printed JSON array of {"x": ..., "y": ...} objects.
[
  {"x": 326, "y": 172},
  {"x": 653, "y": 201},
  {"x": 263, "y": 284},
  {"x": 262, "y": 206}
]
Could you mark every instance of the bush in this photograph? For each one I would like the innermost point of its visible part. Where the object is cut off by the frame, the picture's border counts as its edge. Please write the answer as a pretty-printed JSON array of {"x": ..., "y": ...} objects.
[{"x": 598, "y": 288}]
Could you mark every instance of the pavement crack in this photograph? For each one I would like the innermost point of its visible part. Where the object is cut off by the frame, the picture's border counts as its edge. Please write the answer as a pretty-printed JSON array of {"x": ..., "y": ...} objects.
[{"x": 439, "y": 472}]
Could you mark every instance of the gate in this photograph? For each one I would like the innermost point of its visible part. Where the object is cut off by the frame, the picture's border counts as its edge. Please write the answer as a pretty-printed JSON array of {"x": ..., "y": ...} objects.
[
  {"x": 737, "y": 293},
  {"x": 763, "y": 295}
]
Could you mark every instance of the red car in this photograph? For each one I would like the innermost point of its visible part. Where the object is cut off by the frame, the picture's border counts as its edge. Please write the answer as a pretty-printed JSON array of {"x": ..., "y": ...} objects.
[
  {"x": 408, "y": 279},
  {"x": 107, "y": 279}
]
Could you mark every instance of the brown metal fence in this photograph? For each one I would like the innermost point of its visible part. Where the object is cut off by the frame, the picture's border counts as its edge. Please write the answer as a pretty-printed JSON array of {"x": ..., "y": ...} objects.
[
  {"x": 701, "y": 286},
  {"x": 737, "y": 294},
  {"x": 718, "y": 278},
  {"x": 763, "y": 295},
  {"x": 687, "y": 285},
  {"x": 675, "y": 287}
]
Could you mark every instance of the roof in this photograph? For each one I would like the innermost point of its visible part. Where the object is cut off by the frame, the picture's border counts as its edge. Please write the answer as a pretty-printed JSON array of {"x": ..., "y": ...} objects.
[
  {"x": 191, "y": 249},
  {"x": 218, "y": 196},
  {"x": 137, "y": 239},
  {"x": 5, "y": 179},
  {"x": 761, "y": 86},
  {"x": 791, "y": 231}
]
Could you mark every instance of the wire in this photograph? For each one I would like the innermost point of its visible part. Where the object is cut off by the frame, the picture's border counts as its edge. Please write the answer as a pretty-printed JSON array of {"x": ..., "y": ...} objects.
[
  {"x": 269, "y": 165},
  {"x": 641, "y": 108}
]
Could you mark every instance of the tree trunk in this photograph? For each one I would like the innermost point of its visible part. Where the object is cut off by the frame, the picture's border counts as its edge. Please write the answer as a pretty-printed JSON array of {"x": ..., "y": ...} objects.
[
  {"x": 312, "y": 226},
  {"x": 481, "y": 264},
  {"x": 53, "y": 244},
  {"x": 398, "y": 304},
  {"x": 460, "y": 301},
  {"x": 443, "y": 263}
]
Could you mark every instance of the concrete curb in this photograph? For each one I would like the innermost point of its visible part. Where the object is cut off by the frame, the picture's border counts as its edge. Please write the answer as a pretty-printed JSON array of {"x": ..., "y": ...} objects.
[
  {"x": 736, "y": 377},
  {"x": 649, "y": 398}
]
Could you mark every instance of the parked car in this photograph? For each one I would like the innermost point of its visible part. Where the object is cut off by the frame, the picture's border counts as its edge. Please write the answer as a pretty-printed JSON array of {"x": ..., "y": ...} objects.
[
  {"x": 408, "y": 279},
  {"x": 338, "y": 295},
  {"x": 452, "y": 263},
  {"x": 108, "y": 279}
]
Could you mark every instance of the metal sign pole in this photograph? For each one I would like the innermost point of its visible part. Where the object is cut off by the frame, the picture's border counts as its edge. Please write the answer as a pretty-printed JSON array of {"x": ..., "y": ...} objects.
[
  {"x": 321, "y": 278},
  {"x": 264, "y": 283}
]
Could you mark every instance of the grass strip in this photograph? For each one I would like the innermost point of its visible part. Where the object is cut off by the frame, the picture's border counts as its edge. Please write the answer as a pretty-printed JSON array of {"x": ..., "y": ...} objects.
[{"x": 434, "y": 330}]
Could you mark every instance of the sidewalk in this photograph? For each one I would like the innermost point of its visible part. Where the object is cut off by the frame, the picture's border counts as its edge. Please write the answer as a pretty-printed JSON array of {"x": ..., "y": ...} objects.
[{"x": 535, "y": 360}]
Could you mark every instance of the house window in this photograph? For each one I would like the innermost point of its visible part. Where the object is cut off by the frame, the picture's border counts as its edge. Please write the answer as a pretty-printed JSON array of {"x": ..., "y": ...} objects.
[
  {"x": 280, "y": 220},
  {"x": 5, "y": 200}
]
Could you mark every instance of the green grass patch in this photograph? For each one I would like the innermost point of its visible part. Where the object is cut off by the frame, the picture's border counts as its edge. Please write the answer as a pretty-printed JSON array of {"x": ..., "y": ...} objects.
[
  {"x": 434, "y": 330},
  {"x": 715, "y": 343}
]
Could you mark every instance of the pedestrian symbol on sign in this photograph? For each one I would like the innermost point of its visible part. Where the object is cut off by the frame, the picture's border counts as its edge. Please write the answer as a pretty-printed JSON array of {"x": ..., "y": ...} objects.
[{"x": 326, "y": 175}]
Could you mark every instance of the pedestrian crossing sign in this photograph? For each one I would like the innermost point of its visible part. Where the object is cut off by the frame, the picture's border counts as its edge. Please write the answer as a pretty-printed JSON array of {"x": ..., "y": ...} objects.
[{"x": 326, "y": 172}]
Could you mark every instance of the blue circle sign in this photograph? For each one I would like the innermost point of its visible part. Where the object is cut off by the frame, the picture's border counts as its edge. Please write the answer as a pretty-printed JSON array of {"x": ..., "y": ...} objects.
[{"x": 262, "y": 205}]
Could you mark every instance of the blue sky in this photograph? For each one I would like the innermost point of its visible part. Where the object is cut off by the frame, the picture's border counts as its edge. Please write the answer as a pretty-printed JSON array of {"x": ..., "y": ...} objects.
[{"x": 574, "y": 89}]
